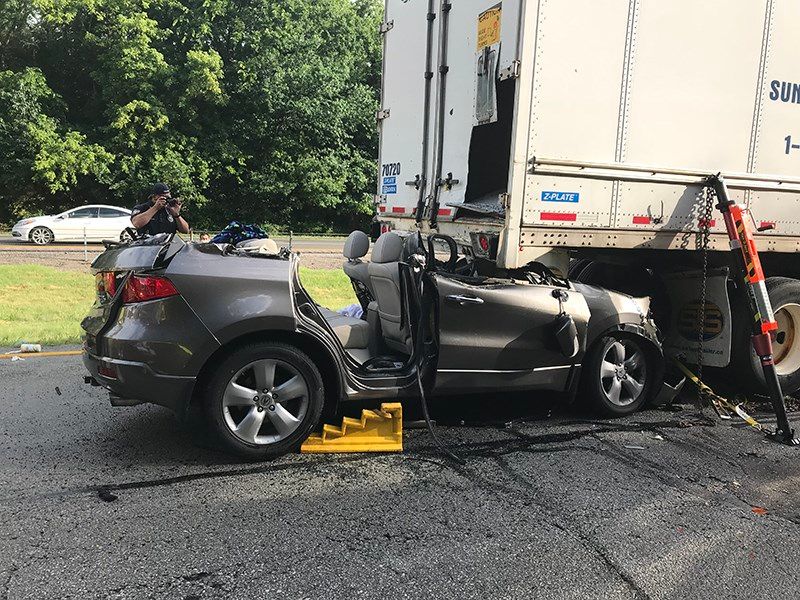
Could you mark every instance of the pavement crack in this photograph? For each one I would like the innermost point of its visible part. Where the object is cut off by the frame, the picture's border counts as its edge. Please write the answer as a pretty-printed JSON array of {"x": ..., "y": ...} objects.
[
  {"x": 574, "y": 530},
  {"x": 12, "y": 570},
  {"x": 523, "y": 486}
]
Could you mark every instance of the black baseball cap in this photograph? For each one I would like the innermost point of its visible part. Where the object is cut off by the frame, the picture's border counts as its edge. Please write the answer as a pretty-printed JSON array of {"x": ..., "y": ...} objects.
[{"x": 160, "y": 188}]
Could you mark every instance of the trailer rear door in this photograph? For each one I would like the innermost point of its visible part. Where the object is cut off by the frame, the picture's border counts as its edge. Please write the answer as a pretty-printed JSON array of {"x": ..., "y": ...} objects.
[
  {"x": 402, "y": 113},
  {"x": 476, "y": 50}
]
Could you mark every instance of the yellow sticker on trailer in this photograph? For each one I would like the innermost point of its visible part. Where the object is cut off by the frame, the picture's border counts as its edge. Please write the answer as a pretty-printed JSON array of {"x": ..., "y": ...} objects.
[{"x": 489, "y": 27}]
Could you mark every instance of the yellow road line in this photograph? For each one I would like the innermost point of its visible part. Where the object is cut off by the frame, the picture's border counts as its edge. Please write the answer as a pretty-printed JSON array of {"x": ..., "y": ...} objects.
[{"x": 32, "y": 354}]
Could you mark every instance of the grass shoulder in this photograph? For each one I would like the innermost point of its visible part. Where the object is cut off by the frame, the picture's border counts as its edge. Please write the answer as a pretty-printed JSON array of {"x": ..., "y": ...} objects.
[{"x": 44, "y": 305}]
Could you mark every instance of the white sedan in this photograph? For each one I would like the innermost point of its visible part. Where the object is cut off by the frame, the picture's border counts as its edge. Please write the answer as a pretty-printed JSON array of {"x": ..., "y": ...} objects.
[{"x": 94, "y": 222}]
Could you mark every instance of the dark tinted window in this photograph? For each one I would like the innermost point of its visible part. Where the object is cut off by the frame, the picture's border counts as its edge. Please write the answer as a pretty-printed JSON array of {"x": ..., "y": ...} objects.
[
  {"x": 83, "y": 213},
  {"x": 111, "y": 213}
]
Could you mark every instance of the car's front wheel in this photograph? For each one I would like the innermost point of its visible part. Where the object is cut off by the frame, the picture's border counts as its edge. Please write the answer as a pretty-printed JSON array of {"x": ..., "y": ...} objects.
[
  {"x": 618, "y": 375},
  {"x": 41, "y": 236},
  {"x": 264, "y": 400}
]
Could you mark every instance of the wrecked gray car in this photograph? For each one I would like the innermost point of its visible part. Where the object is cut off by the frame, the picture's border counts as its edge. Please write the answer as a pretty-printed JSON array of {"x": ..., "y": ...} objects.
[{"x": 234, "y": 331}]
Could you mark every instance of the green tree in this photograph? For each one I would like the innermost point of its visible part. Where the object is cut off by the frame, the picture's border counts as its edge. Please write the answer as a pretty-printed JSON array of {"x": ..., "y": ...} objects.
[
  {"x": 258, "y": 110},
  {"x": 42, "y": 160}
]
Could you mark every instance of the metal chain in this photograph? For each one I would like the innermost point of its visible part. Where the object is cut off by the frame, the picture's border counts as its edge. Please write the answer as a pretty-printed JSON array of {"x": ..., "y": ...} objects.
[{"x": 705, "y": 236}]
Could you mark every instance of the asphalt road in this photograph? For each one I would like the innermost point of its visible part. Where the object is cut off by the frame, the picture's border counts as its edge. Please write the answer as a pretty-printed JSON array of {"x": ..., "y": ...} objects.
[
  {"x": 8, "y": 243},
  {"x": 658, "y": 506}
]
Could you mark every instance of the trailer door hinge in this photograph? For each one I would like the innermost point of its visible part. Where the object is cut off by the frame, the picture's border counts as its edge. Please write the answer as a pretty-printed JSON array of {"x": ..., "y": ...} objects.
[
  {"x": 417, "y": 183},
  {"x": 386, "y": 26},
  {"x": 510, "y": 72},
  {"x": 505, "y": 200},
  {"x": 382, "y": 114},
  {"x": 448, "y": 182}
]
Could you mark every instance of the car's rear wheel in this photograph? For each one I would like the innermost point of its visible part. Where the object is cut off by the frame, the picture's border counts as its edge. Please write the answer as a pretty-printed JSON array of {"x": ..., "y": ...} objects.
[
  {"x": 618, "y": 375},
  {"x": 41, "y": 236},
  {"x": 264, "y": 400}
]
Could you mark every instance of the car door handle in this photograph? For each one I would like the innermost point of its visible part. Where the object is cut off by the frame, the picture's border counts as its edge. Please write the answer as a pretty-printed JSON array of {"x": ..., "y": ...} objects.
[{"x": 462, "y": 300}]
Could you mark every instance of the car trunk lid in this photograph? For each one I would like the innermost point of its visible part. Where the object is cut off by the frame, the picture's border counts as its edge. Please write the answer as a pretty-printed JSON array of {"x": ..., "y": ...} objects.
[
  {"x": 113, "y": 267},
  {"x": 153, "y": 252}
]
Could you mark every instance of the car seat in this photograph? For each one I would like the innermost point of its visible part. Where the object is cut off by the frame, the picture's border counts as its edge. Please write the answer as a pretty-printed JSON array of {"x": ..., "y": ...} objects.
[
  {"x": 384, "y": 274},
  {"x": 356, "y": 247}
]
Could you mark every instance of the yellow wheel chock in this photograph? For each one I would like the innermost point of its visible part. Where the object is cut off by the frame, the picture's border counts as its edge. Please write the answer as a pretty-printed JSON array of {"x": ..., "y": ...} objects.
[{"x": 376, "y": 431}]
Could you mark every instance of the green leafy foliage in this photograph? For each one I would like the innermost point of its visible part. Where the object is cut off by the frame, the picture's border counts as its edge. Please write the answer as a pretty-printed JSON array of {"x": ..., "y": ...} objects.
[{"x": 256, "y": 110}]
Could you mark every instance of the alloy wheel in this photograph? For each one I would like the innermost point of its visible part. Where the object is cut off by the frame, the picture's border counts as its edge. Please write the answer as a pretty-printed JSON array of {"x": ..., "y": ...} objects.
[
  {"x": 265, "y": 402},
  {"x": 623, "y": 372},
  {"x": 41, "y": 236}
]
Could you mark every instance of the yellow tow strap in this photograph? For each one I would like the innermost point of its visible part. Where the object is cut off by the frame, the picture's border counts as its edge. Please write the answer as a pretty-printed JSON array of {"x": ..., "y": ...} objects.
[
  {"x": 24, "y": 355},
  {"x": 721, "y": 405}
]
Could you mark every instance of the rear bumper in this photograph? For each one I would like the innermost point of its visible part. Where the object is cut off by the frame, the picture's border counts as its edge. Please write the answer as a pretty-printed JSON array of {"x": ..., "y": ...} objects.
[{"x": 137, "y": 383}]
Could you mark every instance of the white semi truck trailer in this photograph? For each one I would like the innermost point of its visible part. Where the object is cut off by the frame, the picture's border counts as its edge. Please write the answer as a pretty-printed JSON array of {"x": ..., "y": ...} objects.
[{"x": 578, "y": 133}]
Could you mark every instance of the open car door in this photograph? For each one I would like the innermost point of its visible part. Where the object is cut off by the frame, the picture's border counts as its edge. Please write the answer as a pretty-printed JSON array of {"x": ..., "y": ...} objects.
[{"x": 420, "y": 300}]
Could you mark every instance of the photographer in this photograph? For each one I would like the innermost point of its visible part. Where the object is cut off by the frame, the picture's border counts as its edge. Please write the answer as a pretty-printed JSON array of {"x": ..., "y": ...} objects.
[{"x": 160, "y": 214}]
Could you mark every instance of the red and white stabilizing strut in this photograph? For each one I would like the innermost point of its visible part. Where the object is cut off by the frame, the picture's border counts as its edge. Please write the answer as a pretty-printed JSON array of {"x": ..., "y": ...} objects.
[{"x": 743, "y": 244}]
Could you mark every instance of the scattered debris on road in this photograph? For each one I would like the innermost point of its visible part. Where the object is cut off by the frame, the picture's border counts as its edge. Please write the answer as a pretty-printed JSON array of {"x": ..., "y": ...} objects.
[{"x": 106, "y": 495}]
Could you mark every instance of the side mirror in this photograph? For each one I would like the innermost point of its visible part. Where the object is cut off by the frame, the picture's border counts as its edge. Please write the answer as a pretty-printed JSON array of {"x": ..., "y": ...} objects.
[
  {"x": 59, "y": 217},
  {"x": 566, "y": 334}
]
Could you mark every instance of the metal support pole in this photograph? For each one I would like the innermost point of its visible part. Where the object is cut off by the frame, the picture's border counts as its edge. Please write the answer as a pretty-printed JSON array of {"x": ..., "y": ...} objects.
[
  {"x": 85, "y": 248},
  {"x": 764, "y": 325}
]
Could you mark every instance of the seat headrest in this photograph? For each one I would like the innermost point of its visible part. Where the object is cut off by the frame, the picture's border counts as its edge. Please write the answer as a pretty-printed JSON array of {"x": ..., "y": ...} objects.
[
  {"x": 356, "y": 245},
  {"x": 410, "y": 246},
  {"x": 388, "y": 248}
]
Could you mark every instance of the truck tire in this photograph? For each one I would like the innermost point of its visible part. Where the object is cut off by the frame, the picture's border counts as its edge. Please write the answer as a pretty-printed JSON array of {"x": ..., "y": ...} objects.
[{"x": 784, "y": 295}]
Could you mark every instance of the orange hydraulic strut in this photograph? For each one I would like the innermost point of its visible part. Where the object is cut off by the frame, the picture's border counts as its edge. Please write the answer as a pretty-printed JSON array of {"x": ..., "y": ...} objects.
[{"x": 764, "y": 324}]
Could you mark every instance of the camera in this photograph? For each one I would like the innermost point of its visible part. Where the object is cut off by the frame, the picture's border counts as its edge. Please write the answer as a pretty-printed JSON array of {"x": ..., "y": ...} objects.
[{"x": 173, "y": 201}]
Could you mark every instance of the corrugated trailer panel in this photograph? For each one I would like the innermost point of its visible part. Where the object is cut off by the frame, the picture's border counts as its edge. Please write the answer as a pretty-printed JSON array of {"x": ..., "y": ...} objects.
[
  {"x": 694, "y": 83},
  {"x": 575, "y": 106},
  {"x": 622, "y": 107},
  {"x": 639, "y": 99},
  {"x": 580, "y": 45},
  {"x": 780, "y": 118}
]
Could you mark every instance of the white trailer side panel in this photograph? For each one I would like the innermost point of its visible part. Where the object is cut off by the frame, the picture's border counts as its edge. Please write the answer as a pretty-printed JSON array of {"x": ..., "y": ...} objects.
[
  {"x": 693, "y": 84},
  {"x": 780, "y": 118},
  {"x": 580, "y": 47},
  {"x": 634, "y": 101},
  {"x": 621, "y": 107}
]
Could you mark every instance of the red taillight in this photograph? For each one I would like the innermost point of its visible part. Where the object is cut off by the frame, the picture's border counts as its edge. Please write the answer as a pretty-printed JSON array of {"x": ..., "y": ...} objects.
[
  {"x": 110, "y": 283},
  {"x": 141, "y": 288},
  {"x": 107, "y": 370},
  {"x": 484, "y": 242},
  {"x": 106, "y": 284}
]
